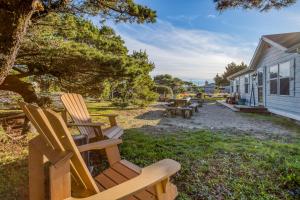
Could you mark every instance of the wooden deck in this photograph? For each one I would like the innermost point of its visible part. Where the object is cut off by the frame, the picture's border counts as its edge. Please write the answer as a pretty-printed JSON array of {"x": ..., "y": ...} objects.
[
  {"x": 244, "y": 108},
  {"x": 230, "y": 106}
]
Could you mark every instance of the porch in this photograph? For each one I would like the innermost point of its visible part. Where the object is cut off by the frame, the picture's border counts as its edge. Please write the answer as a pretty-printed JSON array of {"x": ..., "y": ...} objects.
[{"x": 244, "y": 108}]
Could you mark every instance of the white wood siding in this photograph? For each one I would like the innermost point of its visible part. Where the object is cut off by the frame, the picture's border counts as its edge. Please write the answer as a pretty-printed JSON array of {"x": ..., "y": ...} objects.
[{"x": 290, "y": 105}]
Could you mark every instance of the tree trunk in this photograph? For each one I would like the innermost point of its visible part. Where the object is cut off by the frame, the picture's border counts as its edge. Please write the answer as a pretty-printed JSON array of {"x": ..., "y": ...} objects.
[
  {"x": 26, "y": 90},
  {"x": 14, "y": 18}
]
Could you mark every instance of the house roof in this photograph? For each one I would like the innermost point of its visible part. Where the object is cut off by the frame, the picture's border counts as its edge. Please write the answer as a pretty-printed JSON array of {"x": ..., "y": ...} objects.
[
  {"x": 288, "y": 42},
  {"x": 240, "y": 73}
]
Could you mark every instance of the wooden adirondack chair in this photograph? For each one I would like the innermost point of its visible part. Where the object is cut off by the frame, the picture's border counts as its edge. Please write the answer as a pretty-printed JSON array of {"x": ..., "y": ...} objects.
[
  {"x": 75, "y": 106},
  {"x": 122, "y": 180}
]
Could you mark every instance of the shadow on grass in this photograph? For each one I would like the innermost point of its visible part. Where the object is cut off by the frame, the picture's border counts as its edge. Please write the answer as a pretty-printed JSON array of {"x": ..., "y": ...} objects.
[
  {"x": 105, "y": 108},
  {"x": 14, "y": 180}
]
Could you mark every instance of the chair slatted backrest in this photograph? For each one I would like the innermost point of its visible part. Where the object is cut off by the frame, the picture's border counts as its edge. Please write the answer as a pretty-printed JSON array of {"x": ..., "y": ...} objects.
[
  {"x": 76, "y": 107},
  {"x": 53, "y": 129}
]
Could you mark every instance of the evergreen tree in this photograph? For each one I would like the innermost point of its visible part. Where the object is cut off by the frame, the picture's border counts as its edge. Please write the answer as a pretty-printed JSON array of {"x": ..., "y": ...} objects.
[
  {"x": 15, "y": 16},
  {"x": 76, "y": 55},
  {"x": 262, "y": 5},
  {"x": 230, "y": 69}
]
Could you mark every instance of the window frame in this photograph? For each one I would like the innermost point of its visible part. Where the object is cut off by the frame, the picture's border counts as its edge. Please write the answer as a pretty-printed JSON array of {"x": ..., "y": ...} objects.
[
  {"x": 279, "y": 78},
  {"x": 260, "y": 72},
  {"x": 237, "y": 85},
  {"x": 232, "y": 86},
  {"x": 246, "y": 83},
  {"x": 272, "y": 79}
]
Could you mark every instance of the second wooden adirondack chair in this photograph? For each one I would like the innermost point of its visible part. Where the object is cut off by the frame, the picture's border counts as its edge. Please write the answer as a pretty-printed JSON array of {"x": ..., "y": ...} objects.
[
  {"x": 76, "y": 108},
  {"x": 122, "y": 180}
]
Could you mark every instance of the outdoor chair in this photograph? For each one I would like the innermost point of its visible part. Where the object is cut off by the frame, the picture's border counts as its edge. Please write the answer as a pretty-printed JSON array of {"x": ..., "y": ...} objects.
[
  {"x": 76, "y": 108},
  {"x": 69, "y": 177}
]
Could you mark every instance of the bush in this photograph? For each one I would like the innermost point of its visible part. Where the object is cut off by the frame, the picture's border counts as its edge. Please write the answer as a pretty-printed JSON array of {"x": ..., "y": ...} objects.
[
  {"x": 120, "y": 102},
  {"x": 144, "y": 98}
]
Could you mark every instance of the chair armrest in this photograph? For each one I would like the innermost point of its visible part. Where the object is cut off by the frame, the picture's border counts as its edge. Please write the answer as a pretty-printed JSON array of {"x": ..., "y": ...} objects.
[
  {"x": 87, "y": 124},
  {"x": 61, "y": 157},
  {"x": 99, "y": 145},
  {"x": 104, "y": 115},
  {"x": 149, "y": 176}
]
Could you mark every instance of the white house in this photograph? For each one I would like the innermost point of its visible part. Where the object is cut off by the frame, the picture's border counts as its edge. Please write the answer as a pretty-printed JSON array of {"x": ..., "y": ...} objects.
[{"x": 272, "y": 79}]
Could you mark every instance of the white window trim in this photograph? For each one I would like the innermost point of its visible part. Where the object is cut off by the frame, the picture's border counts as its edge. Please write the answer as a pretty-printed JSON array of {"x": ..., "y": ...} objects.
[
  {"x": 278, "y": 79},
  {"x": 271, "y": 79}
]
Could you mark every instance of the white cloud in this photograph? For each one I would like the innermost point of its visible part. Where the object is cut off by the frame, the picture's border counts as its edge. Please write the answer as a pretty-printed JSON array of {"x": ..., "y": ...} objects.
[
  {"x": 188, "y": 54},
  {"x": 211, "y": 16}
]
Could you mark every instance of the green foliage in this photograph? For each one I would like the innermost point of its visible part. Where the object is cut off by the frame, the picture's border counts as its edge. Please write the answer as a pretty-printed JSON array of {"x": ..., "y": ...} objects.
[
  {"x": 138, "y": 87},
  {"x": 176, "y": 84},
  {"x": 74, "y": 52},
  {"x": 222, "y": 165},
  {"x": 118, "y": 10},
  {"x": 262, "y": 5},
  {"x": 230, "y": 69},
  {"x": 78, "y": 57},
  {"x": 164, "y": 91}
]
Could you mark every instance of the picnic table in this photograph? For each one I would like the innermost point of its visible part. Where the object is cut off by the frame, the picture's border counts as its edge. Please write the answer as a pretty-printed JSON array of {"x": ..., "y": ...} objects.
[
  {"x": 182, "y": 106},
  {"x": 179, "y": 102}
]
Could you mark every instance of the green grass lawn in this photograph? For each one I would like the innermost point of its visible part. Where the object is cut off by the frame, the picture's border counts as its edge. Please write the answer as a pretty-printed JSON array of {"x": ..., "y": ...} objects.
[
  {"x": 275, "y": 119},
  {"x": 215, "y": 165},
  {"x": 221, "y": 165}
]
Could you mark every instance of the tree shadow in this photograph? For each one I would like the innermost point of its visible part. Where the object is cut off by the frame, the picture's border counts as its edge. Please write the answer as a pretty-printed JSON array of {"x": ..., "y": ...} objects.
[
  {"x": 104, "y": 108},
  {"x": 14, "y": 180},
  {"x": 152, "y": 115}
]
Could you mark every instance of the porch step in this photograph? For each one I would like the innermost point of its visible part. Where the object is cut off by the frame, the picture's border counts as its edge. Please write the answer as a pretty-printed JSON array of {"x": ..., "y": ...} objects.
[
  {"x": 227, "y": 105},
  {"x": 251, "y": 109}
]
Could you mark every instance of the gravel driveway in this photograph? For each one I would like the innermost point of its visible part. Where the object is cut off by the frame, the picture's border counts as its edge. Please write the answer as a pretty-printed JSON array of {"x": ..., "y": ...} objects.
[{"x": 217, "y": 117}]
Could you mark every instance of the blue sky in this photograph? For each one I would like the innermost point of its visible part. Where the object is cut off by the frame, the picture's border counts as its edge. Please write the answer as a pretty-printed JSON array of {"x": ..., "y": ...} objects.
[{"x": 193, "y": 41}]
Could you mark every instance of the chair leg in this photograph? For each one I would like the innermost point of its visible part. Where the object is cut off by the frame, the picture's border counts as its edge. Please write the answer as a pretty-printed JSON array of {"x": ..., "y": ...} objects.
[
  {"x": 165, "y": 190},
  {"x": 60, "y": 181},
  {"x": 112, "y": 121},
  {"x": 36, "y": 174}
]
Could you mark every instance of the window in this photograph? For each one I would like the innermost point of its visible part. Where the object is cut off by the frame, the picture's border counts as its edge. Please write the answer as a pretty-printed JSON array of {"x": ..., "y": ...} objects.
[
  {"x": 260, "y": 94},
  {"x": 273, "y": 72},
  {"x": 260, "y": 76},
  {"x": 237, "y": 83},
  {"x": 273, "y": 79},
  {"x": 280, "y": 79},
  {"x": 246, "y": 84},
  {"x": 284, "y": 78},
  {"x": 260, "y": 83},
  {"x": 231, "y": 86}
]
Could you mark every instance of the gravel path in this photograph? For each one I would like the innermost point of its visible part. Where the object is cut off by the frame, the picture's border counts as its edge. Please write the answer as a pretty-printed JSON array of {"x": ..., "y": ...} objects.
[{"x": 215, "y": 117}]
